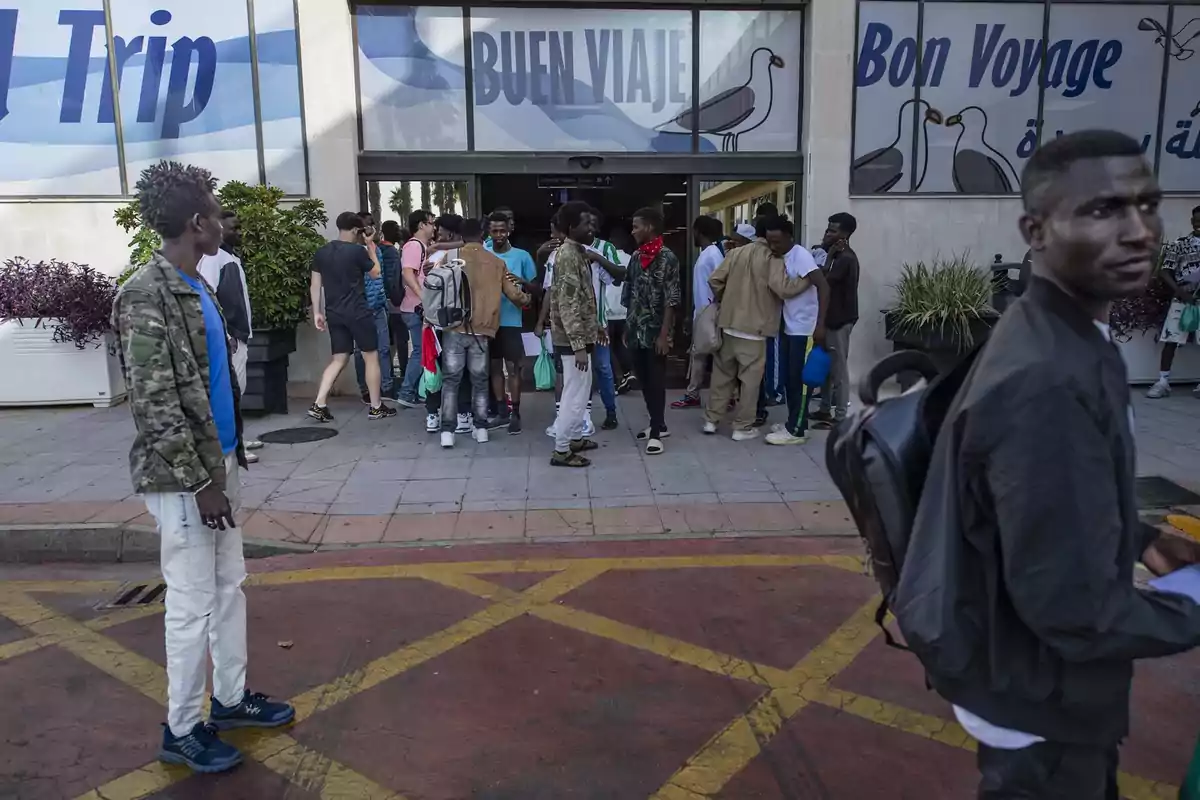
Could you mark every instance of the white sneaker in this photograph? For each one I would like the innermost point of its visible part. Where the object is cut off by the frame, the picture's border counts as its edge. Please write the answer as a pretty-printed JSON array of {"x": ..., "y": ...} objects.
[
  {"x": 709, "y": 428},
  {"x": 1196, "y": 391},
  {"x": 464, "y": 423},
  {"x": 1159, "y": 390},
  {"x": 433, "y": 423},
  {"x": 783, "y": 437},
  {"x": 447, "y": 439},
  {"x": 251, "y": 458},
  {"x": 746, "y": 435},
  {"x": 481, "y": 435},
  {"x": 589, "y": 428}
]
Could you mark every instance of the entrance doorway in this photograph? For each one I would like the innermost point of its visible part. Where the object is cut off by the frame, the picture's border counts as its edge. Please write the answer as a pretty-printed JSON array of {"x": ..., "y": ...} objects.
[{"x": 534, "y": 199}]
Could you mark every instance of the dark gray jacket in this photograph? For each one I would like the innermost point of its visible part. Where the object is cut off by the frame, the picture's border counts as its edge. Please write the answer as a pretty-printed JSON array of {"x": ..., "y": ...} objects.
[
  {"x": 232, "y": 298},
  {"x": 1017, "y": 591}
]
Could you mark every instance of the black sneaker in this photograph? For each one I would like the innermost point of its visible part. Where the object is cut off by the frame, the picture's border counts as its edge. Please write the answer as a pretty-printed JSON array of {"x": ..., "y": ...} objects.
[
  {"x": 366, "y": 398},
  {"x": 493, "y": 423},
  {"x": 320, "y": 413},
  {"x": 200, "y": 751},
  {"x": 255, "y": 711},
  {"x": 383, "y": 412},
  {"x": 610, "y": 423},
  {"x": 760, "y": 420},
  {"x": 514, "y": 423}
]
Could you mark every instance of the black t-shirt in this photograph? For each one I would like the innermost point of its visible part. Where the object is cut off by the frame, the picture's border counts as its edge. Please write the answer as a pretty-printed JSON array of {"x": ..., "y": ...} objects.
[{"x": 342, "y": 266}]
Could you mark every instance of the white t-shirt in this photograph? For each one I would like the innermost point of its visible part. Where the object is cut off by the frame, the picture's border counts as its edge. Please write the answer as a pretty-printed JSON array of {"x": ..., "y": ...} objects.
[
  {"x": 800, "y": 312},
  {"x": 710, "y": 258},
  {"x": 612, "y": 294},
  {"x": 210, "y": 271}
]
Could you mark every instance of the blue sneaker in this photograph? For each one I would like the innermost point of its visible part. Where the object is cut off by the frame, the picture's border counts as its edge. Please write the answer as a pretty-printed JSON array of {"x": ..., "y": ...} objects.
[
  {"x": 201, "y": 750},
  {"x": 255, "y": 711}
]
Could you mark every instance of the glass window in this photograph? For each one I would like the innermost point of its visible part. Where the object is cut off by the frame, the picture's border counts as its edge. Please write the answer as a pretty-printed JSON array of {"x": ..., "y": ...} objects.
[
  {"x": 979, "y": 96},
  {"x": 186, "y": 86},
  {"x": 1104, "y": 70},
  {"x": 56, "y": 118},
  {"x": 411, "y": 78},
  {"x": 885, "y": 94},
  {"x": 1179, "y": 169},
  {"x": 279, "y": 94},
  {"x": 749, "y": 80},
  {"x": 581, "y": 79}
]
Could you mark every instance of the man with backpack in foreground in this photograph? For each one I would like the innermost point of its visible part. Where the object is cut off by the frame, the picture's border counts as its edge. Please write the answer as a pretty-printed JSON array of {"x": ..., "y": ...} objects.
[
  {"x": 1016, "y": 589},
  {"x": 467, "y": 293}
]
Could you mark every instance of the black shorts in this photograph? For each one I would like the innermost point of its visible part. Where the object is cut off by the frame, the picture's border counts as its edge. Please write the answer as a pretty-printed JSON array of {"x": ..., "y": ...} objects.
[
  {"x": 508, "y": 345},
  {"x": 360, "y": 333}
]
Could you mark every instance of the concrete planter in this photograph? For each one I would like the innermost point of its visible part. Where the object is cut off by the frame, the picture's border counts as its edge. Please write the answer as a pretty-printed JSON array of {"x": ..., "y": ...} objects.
[
  {"x": 42, "y": 372},
  {"x": 1142, "y": 352}
]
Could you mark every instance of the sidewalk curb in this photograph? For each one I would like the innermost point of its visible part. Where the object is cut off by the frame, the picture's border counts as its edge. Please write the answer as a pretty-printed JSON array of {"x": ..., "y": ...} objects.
[
  {"x": 110, "y": 542},
  {"x": 104, "y": 543}
]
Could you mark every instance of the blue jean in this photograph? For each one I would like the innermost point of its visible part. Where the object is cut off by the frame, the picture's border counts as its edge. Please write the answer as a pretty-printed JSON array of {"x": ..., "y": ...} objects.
[
  {"x": 384, "y": 336},
  {"x": 412, "y": 373},
  {"x": 793, "y": 352},
  {"x": 602, "y": 359},
  {"x": 463, "y": 352}
]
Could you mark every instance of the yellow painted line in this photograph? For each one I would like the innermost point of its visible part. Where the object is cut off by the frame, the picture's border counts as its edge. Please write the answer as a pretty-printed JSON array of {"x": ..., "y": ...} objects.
[
  {"x": 142, "y": 782},
  {"x": 665, "y": 646},
  {"x": 391, "y": 665},
  {"x": 727, "y": 753},
  {"x": 1185, "y": 523},
  {"x": 306, "y": 768},
  {"x": 118, "y": 617},
  {"x": 63, "y": 586},
  {"x": 135, "y": 671}
]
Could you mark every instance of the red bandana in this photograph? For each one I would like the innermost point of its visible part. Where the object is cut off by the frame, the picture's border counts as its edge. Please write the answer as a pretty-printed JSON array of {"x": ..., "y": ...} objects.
[{"x": 650, "y": 250}]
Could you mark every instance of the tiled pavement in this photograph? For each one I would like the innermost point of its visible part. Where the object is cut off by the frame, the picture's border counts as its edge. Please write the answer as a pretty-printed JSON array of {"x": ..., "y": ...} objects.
[{"x": 389, "y": 481}]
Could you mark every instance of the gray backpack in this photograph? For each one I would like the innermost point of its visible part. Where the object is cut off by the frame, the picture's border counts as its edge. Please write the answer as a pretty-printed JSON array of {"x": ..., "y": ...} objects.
[{"x": 447, "y": 294}]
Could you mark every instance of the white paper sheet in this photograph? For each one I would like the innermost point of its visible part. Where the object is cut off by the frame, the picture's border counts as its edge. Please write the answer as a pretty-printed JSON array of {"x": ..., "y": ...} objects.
[
  {"x": 533, "y": 347},
  {"x": 1185, "y": 581}
]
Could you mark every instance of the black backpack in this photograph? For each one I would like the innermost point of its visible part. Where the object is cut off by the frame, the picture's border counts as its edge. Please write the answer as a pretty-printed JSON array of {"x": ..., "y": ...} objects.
[{"x": 879, "y": 456}]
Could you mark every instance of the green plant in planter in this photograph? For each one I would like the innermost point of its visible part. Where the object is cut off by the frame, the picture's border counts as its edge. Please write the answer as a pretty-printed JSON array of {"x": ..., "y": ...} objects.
[
  {"x": 949, "y": 296},
  {"x": 278, "y": 244}
]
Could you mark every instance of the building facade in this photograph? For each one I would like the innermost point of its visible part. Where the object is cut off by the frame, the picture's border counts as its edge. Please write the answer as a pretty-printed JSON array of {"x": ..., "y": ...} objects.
[{"x": 914, "y": 115}]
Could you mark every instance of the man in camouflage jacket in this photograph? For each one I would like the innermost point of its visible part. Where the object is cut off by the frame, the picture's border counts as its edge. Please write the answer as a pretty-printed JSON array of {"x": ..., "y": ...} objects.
[
  {"x": 158, "y": 318},
  {"x": 185, "y": 460},
  {"x": 573, "y": 333}
]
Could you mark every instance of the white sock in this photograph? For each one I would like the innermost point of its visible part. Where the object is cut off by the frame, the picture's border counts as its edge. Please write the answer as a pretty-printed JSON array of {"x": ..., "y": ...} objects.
[{"x": 1163, "y": 377}]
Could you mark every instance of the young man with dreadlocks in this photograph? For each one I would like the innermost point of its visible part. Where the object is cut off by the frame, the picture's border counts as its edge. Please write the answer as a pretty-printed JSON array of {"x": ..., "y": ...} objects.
[{"x": 183, "y": 394}]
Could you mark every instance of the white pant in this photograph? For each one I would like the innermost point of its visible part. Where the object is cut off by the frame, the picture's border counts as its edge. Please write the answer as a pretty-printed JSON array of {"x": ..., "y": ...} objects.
[
  {"x": 239, "y": 365},
  {"x": 572, "y": 406},
  {"x": 206, "y": 608}
]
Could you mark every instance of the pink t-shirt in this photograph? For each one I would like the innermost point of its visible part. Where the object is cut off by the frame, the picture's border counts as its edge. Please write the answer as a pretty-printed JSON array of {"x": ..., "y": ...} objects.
[{"x": 412, "y": 256}]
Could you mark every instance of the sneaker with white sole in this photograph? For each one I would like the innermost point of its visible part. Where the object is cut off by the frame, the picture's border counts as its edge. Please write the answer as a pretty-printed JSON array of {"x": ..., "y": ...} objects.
[
  {"x": 433, "y": 423},
  {"x": 255, "y": 444},
  {"x": 709, "y": 428},
  {"x": 481, "y": 435},
  {"x": 447, "y": 439},
  {"x": 201, "y": 750},
  {"x": 783, "y": 437},
  {"x": 464, "y": 424},
  {"x": 589, "y": 428},
  {"x": 1159, "y": 390},
  {"x": 745, "y": 435}
]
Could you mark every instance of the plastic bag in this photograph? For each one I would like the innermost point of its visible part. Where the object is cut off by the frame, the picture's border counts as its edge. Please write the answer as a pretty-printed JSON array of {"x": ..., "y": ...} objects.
[
  {"x": 706, "y": 336},
  {"x": 1191, "y": 784},
  {"x": 816, "y": 367},
  {"x": 543, "y": 371},
  {"x": 431, "y": 382},
  {"x": 1189, "y": 320}
]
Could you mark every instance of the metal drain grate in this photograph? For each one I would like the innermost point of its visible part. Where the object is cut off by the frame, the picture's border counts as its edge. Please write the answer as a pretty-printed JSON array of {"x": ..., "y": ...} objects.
[{"x": 132, "y": 595}]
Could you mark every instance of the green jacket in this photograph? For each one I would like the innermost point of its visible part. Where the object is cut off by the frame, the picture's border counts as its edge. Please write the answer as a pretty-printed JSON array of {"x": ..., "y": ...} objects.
[
  {"x": 572, "y": 300},
  {"x": 164, "y": 356}
]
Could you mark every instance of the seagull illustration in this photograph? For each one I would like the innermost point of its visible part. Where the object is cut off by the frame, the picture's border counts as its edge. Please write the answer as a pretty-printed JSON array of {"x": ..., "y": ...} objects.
[{"x": 735, "y": 111}]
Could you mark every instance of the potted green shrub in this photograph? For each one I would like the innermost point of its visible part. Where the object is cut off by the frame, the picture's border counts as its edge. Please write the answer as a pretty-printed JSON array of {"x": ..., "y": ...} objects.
[
  {"x": 942, "y": 308},
  {"x": 278, "y": 243}
]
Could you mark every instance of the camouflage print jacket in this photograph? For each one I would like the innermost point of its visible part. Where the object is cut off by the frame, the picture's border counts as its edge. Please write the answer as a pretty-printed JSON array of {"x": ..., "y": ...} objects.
[
  {"x": 572, "y": 300},
  {"x": 164, "y": 355}
]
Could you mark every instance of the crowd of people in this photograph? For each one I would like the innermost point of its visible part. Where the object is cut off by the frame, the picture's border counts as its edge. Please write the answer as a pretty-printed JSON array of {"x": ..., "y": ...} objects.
[{"x": 607, "y": 317}]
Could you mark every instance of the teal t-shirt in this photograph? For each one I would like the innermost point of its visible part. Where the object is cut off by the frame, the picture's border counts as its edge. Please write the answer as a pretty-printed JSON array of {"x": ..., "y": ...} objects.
[{"x": 519, "y": 263}]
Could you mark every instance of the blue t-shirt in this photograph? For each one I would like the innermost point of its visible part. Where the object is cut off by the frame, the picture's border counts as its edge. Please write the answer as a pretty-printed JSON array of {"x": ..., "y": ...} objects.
[
  {"x": 519, "y": 263},
  {"x": 220, "y": 386}
]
